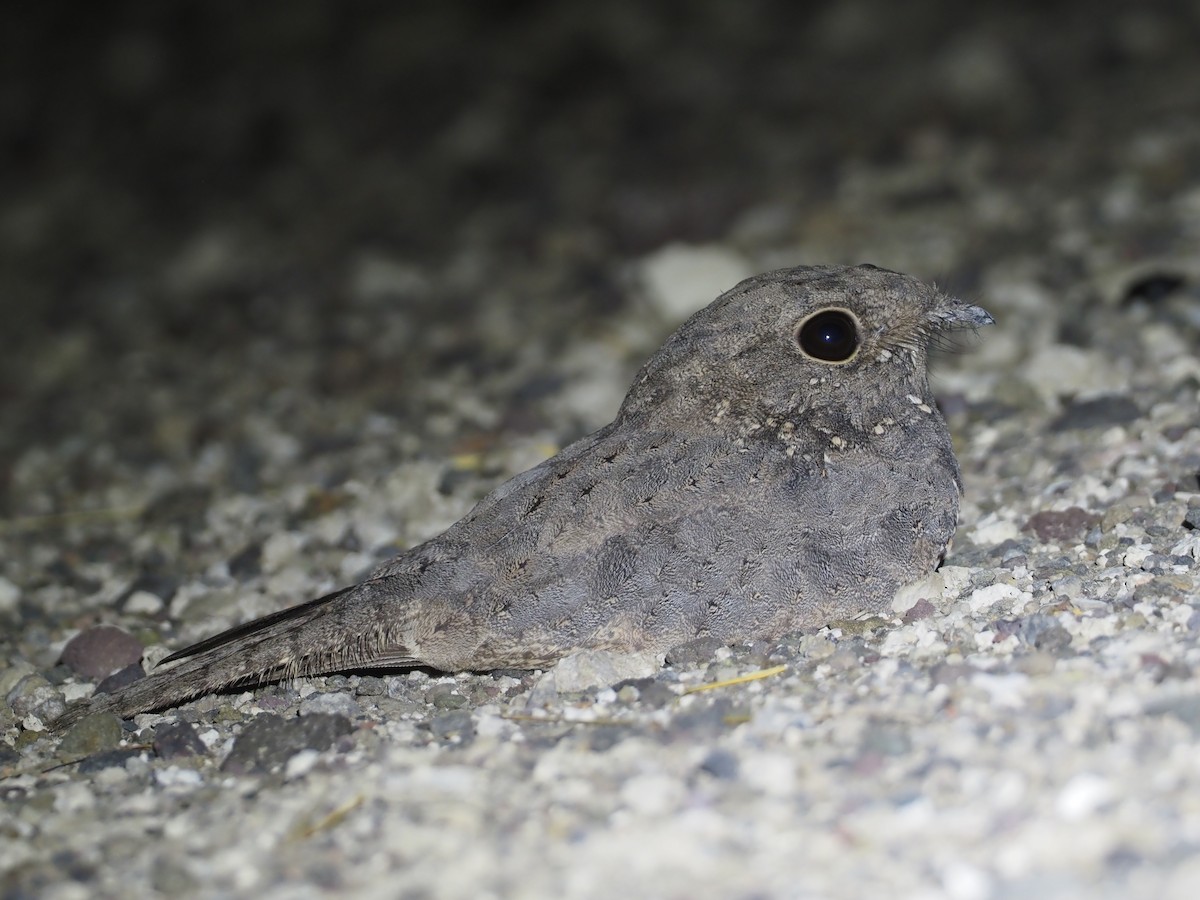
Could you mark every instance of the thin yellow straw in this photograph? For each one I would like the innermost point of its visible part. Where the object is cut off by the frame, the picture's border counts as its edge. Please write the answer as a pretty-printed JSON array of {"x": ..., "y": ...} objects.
[{"x": 741, "y": 679}]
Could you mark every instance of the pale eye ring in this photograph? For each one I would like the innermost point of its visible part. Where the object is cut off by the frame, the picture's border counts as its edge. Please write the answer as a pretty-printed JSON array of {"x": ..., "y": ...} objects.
[{"x": 829, "y": 336}]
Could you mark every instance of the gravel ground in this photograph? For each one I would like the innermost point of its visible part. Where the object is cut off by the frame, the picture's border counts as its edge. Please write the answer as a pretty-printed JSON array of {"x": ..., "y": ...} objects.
[{"x": 288, "y": 289}]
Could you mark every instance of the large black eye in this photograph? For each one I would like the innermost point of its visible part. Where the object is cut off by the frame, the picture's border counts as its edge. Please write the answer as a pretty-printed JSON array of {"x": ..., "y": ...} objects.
[{"x": 830, "y": 336}]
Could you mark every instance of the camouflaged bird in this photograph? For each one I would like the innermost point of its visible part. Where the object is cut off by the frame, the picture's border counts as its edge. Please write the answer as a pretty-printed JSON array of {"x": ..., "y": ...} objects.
[{"x": 778, "y": 464}]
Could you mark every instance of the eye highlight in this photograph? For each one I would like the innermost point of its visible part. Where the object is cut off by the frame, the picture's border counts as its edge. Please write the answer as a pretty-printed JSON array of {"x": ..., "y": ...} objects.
[{"x": 830, "y": 335}]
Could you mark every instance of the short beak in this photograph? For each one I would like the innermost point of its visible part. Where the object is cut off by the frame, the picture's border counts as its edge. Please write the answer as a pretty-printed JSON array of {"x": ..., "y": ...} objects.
[{"x": 953, "y": 313}]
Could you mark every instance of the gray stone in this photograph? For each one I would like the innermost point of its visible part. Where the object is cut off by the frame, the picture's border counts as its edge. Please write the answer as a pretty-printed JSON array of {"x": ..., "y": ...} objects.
[
  {"x": 336, "y": 704},
  {"x": 101, "y": 731},
  {"x": 268, "y": 742},
  {"x": 178, "y": 740},
  {"x": 35, "y": 696}
]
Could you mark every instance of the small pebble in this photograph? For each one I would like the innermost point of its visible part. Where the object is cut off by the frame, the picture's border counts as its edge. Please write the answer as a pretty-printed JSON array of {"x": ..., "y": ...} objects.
[
  {"x": 336, "y": 703},
  {"x": 588, "y": 669},
  {"x": 121, "y": 678},
  {"x": 178, "y": 739},
  {"x": 100, "y": 731},
  {"x": 457, "y": 726},
  {"x": 34, "y": 696},
  {"x": 1063, "y": 526},
  {"x": 268, "y": 742},
  {"x": 100, "y": 651},
  {"x": 1100, "y": 412},
  {"x": 721, "y": 764},
  {"x": 446, "y": 696}
]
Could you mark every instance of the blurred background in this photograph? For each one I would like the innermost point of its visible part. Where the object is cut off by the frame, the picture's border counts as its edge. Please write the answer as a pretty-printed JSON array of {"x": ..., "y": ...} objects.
[{"x": 240, "y": 238}]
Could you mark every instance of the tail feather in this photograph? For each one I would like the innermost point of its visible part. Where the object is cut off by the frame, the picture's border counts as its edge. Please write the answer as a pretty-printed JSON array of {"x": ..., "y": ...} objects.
[
  {"x": 327, "y": 634},
  {"x": 255, "y": 627}
]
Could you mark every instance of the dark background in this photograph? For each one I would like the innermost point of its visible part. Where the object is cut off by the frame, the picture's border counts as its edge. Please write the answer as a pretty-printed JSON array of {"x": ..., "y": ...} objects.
[{"x": 188, "y": 188}]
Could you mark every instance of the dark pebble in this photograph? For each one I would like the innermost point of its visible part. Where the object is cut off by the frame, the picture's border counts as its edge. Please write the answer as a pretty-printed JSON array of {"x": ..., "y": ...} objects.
[
  {"x": 121, "y": 678},
  {"x": 720, "y": 764},
  {"x": 951, "y": 673},
  {"x": 1099, "y": 412},
  {"x": 1175, "y": 433},
  {"x": 652, "y": 694},
  {"x": 1157, "y": 564},
  {"x": 1153, "y": 591},
  {"x": 755, "y": 654},
  {"x": 1063, "y": 526},
  {"x": 1008, "y": 550},
  {"x": 370, "y": 686},
  {"x": 100, "y": 651},
  {"x": 693, "y": 654},
  {"x": 107, "y": 760},
  {"x": 160, "y": 585},
  {"x": 446, "y": 696},
  {"x": 454, "y": 478},
  {"x": 67, "y": 575},
  {"x": 951, "y": 405},
  {"x": 707, "y": 721},
  {"x": 185, "y": 506},
  {"x": 1039, "y": 631},
  {"x": 453, "y": 726},
  {"x": 1191, "y": 519},
  {"x": 59, "y": 674},
  {"x": 604, "y": 737},
  {"x": 177, "y": 740},
  {"x": 92, "y": 734},
  {"x": 247, "y": 562},
  {"x": 1166, "y": 492},
  {"x": 788, "y": 649},
  {"x": 1153, "y": 287},
  {"x": 269, "y": 742},
  {"x": 922, "y": 609}
]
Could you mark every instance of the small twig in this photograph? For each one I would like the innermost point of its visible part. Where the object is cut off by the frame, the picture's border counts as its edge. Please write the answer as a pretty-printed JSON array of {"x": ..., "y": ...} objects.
[
  {"x": 332, "y": 820},
  {"x": 741, "y": 679},
  {"x": 62, "y": 764}
]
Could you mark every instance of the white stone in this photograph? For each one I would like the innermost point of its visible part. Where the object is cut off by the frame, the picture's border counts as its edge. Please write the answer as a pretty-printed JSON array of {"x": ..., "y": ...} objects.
[
  {"x": 143, "y": 603},
  {"x": 601, "y": 668},
  {"x": 1061, "y": 370},
  {"x": 772, "y": 773},
  {"x": 955, "y": 578},
  {"x": 991, "y": 531},
  {"x": 1007, "y": 690},
  {"x": 931, "y": 588},
  {"x": 178, "y": 777},
  {"x": 652, "y": 795},
  {"x": 966, "y": 882},
  {"x": 984, "y": 597},
  {"x": 301, "y": 764},
  {"x": 9, "y": 595},
  {"x": 680, "y": 278},
  {"x": 1082, "y": 796}
]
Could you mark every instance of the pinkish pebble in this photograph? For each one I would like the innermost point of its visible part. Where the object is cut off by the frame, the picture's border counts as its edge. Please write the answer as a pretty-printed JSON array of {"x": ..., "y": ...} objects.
[{"x": 100, "y": 651}]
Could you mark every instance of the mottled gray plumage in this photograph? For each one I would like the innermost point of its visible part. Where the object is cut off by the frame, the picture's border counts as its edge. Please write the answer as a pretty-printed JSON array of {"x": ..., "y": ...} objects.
[{"x": 745, "y": 489}]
